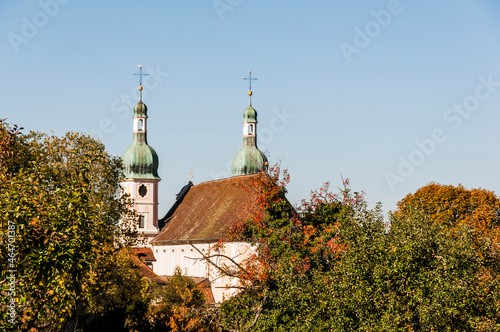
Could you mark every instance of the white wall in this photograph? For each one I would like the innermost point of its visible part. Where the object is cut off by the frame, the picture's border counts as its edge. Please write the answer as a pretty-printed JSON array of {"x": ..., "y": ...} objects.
[{"x": 191, "y": 264}]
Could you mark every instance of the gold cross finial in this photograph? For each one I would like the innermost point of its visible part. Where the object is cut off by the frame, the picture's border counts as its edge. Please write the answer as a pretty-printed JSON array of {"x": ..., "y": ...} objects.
[
  {"x": 140, "y": 74},
  {"x": 250, "y": 79}
]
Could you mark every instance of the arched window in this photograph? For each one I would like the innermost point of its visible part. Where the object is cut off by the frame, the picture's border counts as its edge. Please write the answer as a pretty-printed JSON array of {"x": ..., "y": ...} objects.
[
  {"x": 203, "y": 265},
  {"x": 183, "y": 261},
  {"x": 191, "y": 263},
  {"x": 250, "y": 129},
  {"x": 139, "y": 127},
  {"x": 141, "y": 221},
  {"x": 217, "y": 263},
  {"x": 172, "y": 262}
]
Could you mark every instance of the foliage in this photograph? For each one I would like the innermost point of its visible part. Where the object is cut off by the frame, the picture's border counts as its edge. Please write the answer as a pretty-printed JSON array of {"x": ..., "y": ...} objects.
[
  {"x": 332, "y": 264},
  {"x": 62, "y": 198},
  {"x": 452, "y": 206},
  {"x": 336, "y": 266},
  {"x": 118, "y": 297},
  {"x": 8, "y": 136},
  {"x": 294, "y": 249},
  {"x": 61, "y": 201},
  {"x": 435, "y": 278},
  {"x": 182, "y": 307}
]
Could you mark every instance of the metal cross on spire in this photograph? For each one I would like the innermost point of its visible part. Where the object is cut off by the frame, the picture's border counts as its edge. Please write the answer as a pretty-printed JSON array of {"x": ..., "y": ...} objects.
[
  {"x": 140, "y": 74},
  {"x": 191, "y": 175},
  {"x": 250, "y": 79}
]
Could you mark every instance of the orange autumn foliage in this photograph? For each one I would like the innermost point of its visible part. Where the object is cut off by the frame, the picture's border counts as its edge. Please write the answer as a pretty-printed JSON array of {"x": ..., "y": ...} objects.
[
  {"x": 452, "y": 205},
  {"x": 269, "y": 190}
]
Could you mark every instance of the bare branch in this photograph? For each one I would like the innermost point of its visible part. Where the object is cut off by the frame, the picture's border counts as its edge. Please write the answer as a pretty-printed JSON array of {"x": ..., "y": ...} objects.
[{"x": 221, "y": 269}]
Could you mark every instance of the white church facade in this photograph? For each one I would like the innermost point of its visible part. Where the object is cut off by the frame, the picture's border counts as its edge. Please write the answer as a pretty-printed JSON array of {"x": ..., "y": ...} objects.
[{"x": 202, "y": 213}]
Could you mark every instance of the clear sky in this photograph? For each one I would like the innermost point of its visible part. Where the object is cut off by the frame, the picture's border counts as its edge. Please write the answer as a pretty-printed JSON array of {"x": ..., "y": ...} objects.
[{"x": 390, "y": 94}]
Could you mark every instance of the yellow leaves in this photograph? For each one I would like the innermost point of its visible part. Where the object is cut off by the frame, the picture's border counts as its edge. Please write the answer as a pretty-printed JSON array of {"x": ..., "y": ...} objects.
[{"x": 452, "y": 205}]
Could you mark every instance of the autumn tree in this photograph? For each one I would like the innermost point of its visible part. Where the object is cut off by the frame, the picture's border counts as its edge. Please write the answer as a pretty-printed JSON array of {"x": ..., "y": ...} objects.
[
  {"x": 335, "y": 265},
  {"x": 117, "y": 296},
  {"x": 437, "y": 278},
  {"x": 182, "y": 307},
  {"x": 453, "y": 205},
  {"x": 468, "y": 226},
  {"x": 62, "y": 199},
  {"x": 294, "y": 251}
]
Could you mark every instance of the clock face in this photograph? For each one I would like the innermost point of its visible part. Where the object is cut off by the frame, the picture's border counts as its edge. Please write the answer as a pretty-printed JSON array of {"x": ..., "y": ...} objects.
[{"x": 143, "y": 190}]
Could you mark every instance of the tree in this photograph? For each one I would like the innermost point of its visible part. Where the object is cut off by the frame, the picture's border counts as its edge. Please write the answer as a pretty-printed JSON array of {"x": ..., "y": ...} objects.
[
  {"x": 335, "y": 265},
  {"x": 452, "y": 206},
  {"x": 117, "y": 296},
  {"x": 182, "y": 307},
  {"x": 60, "y": 203},
  {"x": 468, "y": 231},
  {"x": 438, "y": 279},
  {"x": 295, "y": 250},
  {"x": 8, "y": 136}
]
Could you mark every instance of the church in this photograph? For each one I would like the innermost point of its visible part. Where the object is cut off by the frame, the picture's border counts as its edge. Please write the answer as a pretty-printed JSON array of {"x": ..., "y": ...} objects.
[{"x": 202, "y": 213}]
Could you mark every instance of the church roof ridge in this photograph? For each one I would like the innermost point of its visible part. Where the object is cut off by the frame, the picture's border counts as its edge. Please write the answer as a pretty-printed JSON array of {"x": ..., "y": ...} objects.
[{"x": 230, "y": 178}]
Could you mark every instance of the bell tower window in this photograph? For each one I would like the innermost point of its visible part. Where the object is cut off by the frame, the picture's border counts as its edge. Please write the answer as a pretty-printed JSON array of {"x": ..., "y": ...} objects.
[
  {"x": 250, "y": 129},
  {"x": 140, "y": 125}
]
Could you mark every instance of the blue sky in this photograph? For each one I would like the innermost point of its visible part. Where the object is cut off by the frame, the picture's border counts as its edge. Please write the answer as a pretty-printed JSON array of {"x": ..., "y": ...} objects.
[{"x": 390, "y": 94}]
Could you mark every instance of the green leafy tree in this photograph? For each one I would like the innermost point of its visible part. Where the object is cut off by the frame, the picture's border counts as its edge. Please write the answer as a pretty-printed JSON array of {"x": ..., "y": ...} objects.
[
  {"x": 117, "y": 297},
  {"x": 336, "y": 266},
  {"x": 8, "y": 135},
  {"x": 62, "y": 198},
  {"x": 281, "y": 284},
  {"x": 438, "y": 279}
]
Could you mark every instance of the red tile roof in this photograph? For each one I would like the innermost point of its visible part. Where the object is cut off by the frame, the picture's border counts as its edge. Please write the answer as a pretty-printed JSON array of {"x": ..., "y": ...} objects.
[
  {"x": 145, "y": 254},
  {"x": 146, "y": 272},
  {"x": 206, "y": 286},
  {"x": 209, "y": 209}
]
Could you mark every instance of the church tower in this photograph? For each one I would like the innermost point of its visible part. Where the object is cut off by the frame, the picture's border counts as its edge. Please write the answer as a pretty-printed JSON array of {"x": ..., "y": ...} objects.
[
  {"x": 249, "y": 160},
  {"x": 141, "y": 171}
]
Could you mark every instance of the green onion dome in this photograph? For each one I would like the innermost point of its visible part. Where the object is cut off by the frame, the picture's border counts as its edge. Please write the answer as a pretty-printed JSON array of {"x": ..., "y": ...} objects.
[
  {"x": 249, "y": 160},
  {"x": 140, "y": 161}
]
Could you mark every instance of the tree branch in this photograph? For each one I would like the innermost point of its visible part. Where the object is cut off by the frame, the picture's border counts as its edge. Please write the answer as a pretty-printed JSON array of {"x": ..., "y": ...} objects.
[
  {"x": 225, "y": 271},
  {"x": 257, "y": 315}
]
